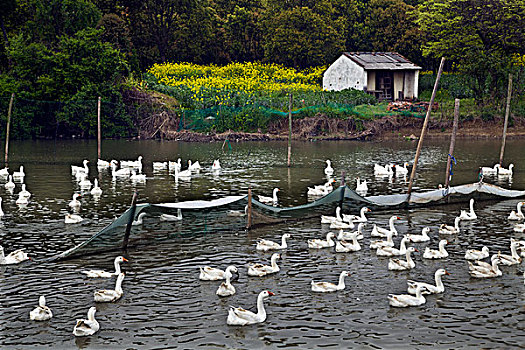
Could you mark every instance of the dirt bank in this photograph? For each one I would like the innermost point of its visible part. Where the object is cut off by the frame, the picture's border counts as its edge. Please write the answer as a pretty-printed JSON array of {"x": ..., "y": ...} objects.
[{"x": 324, "y": 128}]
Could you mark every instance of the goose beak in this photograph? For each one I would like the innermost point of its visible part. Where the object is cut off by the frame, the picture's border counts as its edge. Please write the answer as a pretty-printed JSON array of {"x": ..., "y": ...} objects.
[
  {"x": 415, "y": 249},
  {"x": 270, "y": 293},
  {"x": 446, "y": 272},
  {"x": 124, "y": 259},
  {"x": 369, "y": 210},
  {"x": 397, "y": 217}
]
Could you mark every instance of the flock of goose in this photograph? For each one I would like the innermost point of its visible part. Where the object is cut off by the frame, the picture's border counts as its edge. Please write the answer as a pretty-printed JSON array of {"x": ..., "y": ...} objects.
[{"x": 344, "y": 242}]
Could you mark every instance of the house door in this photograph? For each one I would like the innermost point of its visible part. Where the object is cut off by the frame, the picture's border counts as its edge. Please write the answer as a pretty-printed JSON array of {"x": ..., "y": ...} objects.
[{"x": 385, "y": 83}]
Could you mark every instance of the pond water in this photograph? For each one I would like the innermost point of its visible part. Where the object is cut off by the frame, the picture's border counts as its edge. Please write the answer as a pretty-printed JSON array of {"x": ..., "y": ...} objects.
[{"x": 164, "y": 303}]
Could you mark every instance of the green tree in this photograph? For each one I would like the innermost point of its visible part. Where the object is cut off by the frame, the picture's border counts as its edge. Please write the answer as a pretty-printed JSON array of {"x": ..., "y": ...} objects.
[
  {"x": 480, "y": 36},
  {"x": 300, "y": 37}
]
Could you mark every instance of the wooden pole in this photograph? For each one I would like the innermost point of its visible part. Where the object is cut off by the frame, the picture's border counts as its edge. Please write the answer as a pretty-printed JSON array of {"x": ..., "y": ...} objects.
[
  {"x": 452, "y": 141},
  {"x": 99, "y": 135},
  {"x": 10, "y": 109},
  {"x": 424, "y": 129},
  {"x": 249, "y": 211},
  {"x": 507, "y": 111},
  {"x": 130, "y": 221},
  {"x": 290, "y": 131}
]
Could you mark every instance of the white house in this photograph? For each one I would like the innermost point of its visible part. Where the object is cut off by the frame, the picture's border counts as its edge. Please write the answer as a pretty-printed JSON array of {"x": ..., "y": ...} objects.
[{"x": 387, "y": 75}]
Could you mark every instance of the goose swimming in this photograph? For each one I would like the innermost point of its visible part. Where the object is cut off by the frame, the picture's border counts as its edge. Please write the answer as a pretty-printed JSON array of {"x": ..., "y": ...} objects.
[
  {"x": 427, "y": 288},
  {"x": 110, "y": 295},
  {"x": 41, "y": 312},
  {"x": 325, "y": 287},
  {"x": 468, "y": 215},
  {"x": 104, "y": 274},
  {"x": 87, "y": 327},
  {"x": 240, "y": 317}
]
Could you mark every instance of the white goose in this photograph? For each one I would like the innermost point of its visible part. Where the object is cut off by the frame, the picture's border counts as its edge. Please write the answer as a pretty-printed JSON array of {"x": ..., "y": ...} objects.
[
  {"x": 104, "y": 274},
  {"x": 24, "y": 192},
  {"x": 473, "y": 254},
  {"x": 391, "y": 251},
  {"x": 72, "y": 219},
  {"x": 325, "y": 219},
  {"x": 380, "y": 243},
  {"x": 518, "y": 214},
  {"x": 423, "y": 237},
  {"x": 381, "y": 232},
  {"x": 402, "y": 171},
  {"x": 266, "y": 245},
  {"x": 168, "y": 217},
  {"x": 96, "y": 191},
  {"x": 362, "y": 187},
  {"x": 138, "y": 221},
  {"x": 328, "y": 170},
  {"x": 468, "y": 215},
  {"x": 427, "y": 288},
  {"x": 87, "y": 327},
  {"x": 175, "y": 165},
  {"x": 102, "y": 164},
  {"x": 320, "y": 191},
  {"x": 505, "y": 172},
  {"x": 347, "y": 247},
  {"x": 490, "y": 171},
  {"x": 405, "y": 300},
  {"x": 226, "y": 289},
  {"x": 84, "y": 182},
  {"x": 1, "y": 211},
  {"x": 110, "y": 295},
  {"x": 519, "y": 228},
  {"x": 137, "y": 177},
  {"x": 9, "y": 185},
  {"x": 270, "y": 200},
  {"x": 19, "y": 175},
  {"x": 137, "y": 164},
  {"x": 160, "y": 166},
  {"x": 75, "y": 203},
  {"x": 357, "y": 218},
  {"x": 216, "y": 166},
  {"x": 182, "y": 174},
  {"x": 321, "y": 243},
  {"x": 122, "y": 172},
  {"x": 481, "y": 270},
  {"x": 349, "y": 235},
  {"x": 398, "y": 265},
  {"x": 512, "y": 259},
  {"x": 448, "y": 230},
  {"x": 195, "y": 166},
  {"x": 263, "y": 270},
  {"x": 4, "y": 172},
  {"x": 80, "y": 169},
  {"x": 436, "y": 254},
  {"x": 14, "y": 257},
  {"x": 383, "y": 171},
  {"x": 240, "y": 317},
  {"x": 325, "y": 287},
  {"x": 208, "y": 273},
  {"x": 341, "y": 225},
  {"x": 41, "y": 312},
  {"x": 21, "y": 200}
]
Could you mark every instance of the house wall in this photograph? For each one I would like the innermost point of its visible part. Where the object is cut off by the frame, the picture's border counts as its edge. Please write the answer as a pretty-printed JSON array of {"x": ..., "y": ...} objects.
[
  {"x": 411, "y": 84},
  {"x": 399, "y": 80},
  {"x": 344, "y": 74}
]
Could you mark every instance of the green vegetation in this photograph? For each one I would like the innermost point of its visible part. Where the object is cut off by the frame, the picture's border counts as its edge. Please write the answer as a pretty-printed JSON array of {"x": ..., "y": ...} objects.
[{"x": 58, "y": 56}]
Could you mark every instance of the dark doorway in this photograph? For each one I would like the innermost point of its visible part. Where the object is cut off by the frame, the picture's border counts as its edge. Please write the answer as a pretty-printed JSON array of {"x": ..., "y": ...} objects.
[{"x": 385, "y": 83}]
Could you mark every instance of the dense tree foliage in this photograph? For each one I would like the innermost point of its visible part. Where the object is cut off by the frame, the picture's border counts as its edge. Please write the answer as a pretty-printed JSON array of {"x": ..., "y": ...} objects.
[{"x": 67, "y": 50}]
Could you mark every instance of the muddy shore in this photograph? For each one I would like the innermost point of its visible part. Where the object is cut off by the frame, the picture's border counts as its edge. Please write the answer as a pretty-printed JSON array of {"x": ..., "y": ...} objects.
[{"x": 324, "y": 128}]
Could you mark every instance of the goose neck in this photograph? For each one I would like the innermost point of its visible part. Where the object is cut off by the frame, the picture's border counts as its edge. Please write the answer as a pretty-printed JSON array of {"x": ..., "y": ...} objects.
[
  {"x": 2, "y": 256},
  {"x": 118, "y": 285},
  {"x": 91, "y": 314},
  {"x": 341, "y": 284},
  {"x": 117, "y": 267},
  {"x": 442, "y": 247},
  {"x": 261, "y": 312},
  {"x": 439, "y": 282},
  {"x": 514, "y": 251},
  {"x": 520, "y": 213},
  {"x": 274, "y": 262},
  {"x": 283, "y": 242},
  {"x": 409, "y": 258},
  {"x": 403, "y": 245},
  {"x": 391, "y": 224}
]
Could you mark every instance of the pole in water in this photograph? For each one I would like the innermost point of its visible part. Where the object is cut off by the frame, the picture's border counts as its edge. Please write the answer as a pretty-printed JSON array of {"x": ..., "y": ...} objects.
[
  {"x": 290, "y": 131},
  {"x": 8, "y": 127},
  {"x": 249, "y": 211},
  {"x": 507, "y": 111},
  {"x": 448, "y": 176},
  {"x": 424, "y": 129},
  {"x": 130, "y": 221},
  {"x": 99, "y": 135}
]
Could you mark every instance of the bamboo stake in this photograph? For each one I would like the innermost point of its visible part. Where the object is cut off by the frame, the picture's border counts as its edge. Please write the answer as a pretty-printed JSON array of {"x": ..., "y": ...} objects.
[
  {"x": 249, "y": 211},
  {"x": 99, "y": 135},
  {"x": 424, "y": 129},
  {"x": 290, "y": 131},
  {"x": 507, "y": 111},
  {"x": 452, "y": 141},
  {"x": 8, "y": 127},
  {"x": 130, "y": 221}
]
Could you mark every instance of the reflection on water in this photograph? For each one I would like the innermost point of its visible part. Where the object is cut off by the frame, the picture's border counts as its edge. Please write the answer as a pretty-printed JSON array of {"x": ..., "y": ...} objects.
[{"x": 164, "y": 303}]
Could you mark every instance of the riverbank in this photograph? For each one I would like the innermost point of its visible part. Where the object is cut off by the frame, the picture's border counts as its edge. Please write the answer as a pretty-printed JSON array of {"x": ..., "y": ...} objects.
[{"x": 388, "y": 127}]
